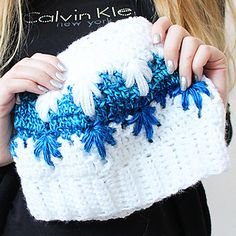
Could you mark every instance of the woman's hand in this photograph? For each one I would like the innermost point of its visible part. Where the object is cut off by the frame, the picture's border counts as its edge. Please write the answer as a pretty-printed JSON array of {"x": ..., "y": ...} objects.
[
  {"x": 190, "y": 55},
  {"x": 37, "y": 74}
]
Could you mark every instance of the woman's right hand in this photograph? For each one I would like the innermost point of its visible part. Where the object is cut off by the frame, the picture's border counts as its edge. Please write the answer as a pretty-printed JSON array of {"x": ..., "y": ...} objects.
[{"x": 37, "y": 74}]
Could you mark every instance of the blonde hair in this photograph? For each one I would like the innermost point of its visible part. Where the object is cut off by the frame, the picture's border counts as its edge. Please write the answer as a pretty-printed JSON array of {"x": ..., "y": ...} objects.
[
  {"x": 209, "y": 16},
  {"x": 11, "y": 30}
]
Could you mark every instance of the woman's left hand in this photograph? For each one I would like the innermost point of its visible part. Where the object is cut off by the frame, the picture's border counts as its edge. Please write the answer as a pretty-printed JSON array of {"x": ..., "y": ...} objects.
[{"x": 191, "y": 56}]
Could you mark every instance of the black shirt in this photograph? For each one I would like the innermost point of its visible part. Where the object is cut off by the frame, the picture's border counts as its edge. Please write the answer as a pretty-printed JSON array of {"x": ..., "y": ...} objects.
[{"x": 53, "y": 25}]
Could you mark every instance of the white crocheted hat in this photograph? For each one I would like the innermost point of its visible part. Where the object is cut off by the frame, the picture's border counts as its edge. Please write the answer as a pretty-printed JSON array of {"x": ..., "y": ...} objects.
[{"x": 120, "y": 135}]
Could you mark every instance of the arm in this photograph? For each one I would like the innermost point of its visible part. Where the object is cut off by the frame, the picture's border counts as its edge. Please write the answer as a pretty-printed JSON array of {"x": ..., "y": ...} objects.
[{"x": 6, "y": 130}]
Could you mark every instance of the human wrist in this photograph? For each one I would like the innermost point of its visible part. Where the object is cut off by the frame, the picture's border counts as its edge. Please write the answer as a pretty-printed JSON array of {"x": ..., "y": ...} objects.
[
  {"x": 5, "y": 127},
  {"x": 5, "y": 134},
  {"x": 8, "y": 161},
  {"x": 5, "y": 113},
  {"x": 5, "y": 155}
]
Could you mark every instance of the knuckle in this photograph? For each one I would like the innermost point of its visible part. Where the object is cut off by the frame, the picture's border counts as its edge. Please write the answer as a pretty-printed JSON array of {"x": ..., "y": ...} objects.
[
  {"x": 54, "y": 59},
  {"x": 46, "y": 58},
  {"x": 176, "y": 28},
  {"x": 186, "y": 66},
  {"x": 196, "y": 66},
  {"x": 165, "y": 18},
  {"x": 225, "y": 59},
  {"x": 190, "y": 39},
  {"x": 18, "y": 68},
  {"x": 171, "y": 49},
  {"x": 24, "y": 60},
  {"x": 187, "y": 57},
  {"x": 37, "y": 54},
  {"x": 205, "y": 48},
  {"x": 162, "y": 20}
]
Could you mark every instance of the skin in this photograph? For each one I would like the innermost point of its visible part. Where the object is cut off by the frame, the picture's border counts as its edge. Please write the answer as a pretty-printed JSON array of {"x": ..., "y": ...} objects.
[
  {"x": 190, "y": 54},
  {"x": 26, "y": 75},
  {"x": 187, "y": 53}
]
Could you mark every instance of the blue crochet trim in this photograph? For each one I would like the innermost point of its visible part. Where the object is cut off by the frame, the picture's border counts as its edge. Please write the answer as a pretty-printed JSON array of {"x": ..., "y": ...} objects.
[
  {"x": 194, "y": 91},
  {"x": 118, "y": 104},
  {"x": 47, "y": 146},
  {"x": 13, "y": 146},
  {"x": 98, "y": 134},
  {"x": 144, "y": 117}
]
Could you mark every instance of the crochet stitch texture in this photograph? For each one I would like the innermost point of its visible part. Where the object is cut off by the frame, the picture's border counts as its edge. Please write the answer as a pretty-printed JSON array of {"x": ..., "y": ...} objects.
[{"x": 120, "y": 135}]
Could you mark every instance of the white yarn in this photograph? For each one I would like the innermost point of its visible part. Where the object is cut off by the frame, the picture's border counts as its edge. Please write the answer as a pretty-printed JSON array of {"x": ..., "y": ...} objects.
[
  {"x": 85, "y": 58},
  {"x": 138, "y": 71}
]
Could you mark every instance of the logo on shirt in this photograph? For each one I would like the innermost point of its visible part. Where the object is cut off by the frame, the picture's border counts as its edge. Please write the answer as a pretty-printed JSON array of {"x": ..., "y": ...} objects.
[{"x": 100, "y": 16}]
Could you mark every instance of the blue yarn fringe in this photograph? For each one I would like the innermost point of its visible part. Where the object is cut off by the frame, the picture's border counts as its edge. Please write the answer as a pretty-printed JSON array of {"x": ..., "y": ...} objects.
[
  {"x": 195, "y": 92},
  {"x": 13, "y": 146},
  {"x": 97, "y": 135},
  {"x": 48, "y": 146},
  {"x": 144, "y": 117}
]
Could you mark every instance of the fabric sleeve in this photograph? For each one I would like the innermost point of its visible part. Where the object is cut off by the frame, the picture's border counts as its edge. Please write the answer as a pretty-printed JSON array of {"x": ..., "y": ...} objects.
[
  {"x": 228, "y": 126},
  {"x": 9, "y": 184}
]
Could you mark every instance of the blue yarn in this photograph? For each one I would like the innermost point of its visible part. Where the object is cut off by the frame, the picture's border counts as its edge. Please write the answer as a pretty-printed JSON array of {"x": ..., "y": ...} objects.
[
  {"x": 98, "y": 134},
  {"x": 27, "y": 122},
  {"x": 161, "y": 98},
  {"x": 119, "y": 99},
  {"x": 13, "y": 146},
  {"x": 117, "y": 103},
  {"x": 195, "y": 91},
  {"x": 163, "y": 83},
  {"x": 47, "y": 145},
  {"x": 144, "y": 117}
]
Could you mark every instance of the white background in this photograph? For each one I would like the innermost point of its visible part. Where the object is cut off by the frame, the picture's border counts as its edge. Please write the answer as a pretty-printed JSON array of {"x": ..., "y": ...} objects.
[{"x": 221, "y": 190}]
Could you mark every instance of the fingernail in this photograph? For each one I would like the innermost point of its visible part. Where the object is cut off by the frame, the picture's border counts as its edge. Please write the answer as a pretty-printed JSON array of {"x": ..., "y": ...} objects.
[
  {"x": 196, "y": 78},
  {"x": 42, "y": 88},
  {"x": 156, "y": 38},
  {"x": 170, "y": 66},
  {"x": 18, "y": 101},
  {"x": 183, "y": 83},
  {"x": 61, "y": 67},
  {"x": 56, "y": 84},
  {"x": 60, "y": 77}
]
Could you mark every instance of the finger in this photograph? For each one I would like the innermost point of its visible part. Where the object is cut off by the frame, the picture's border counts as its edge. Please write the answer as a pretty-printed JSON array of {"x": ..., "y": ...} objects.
[
  {"x": 209, "y": 57},
  {"x": 172, "y": 45},
  {"x": 35, "y": 75},
  {"x": 45, "y": 66},
  {"x": 53, "y": 60},
  {"x": 188, "y": 50},
  {"x": 159, "y": 29},
  {"x": 211, "y": 62},
  {"x": 16, "y": 86}
]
